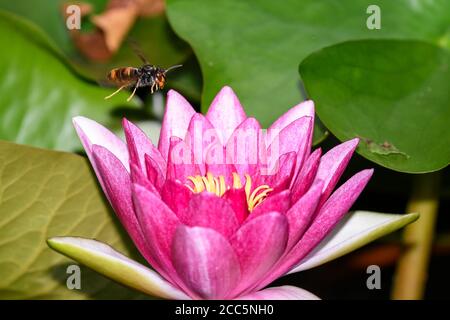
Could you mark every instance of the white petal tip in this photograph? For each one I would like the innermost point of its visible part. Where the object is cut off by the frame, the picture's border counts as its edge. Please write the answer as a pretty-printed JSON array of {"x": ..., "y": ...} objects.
[
  {"x": 354, "y": 231},
  {"x": 105, "y": 260},
  {"x": 280, "y": 293}
]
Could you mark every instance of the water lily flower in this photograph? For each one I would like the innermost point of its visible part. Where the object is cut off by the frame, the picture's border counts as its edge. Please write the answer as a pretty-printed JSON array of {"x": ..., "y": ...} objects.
[{"x": 221, "y": 208}]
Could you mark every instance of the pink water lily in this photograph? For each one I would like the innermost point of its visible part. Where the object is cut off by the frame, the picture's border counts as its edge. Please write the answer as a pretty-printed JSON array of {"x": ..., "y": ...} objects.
[{"x": 221, "y": 208}]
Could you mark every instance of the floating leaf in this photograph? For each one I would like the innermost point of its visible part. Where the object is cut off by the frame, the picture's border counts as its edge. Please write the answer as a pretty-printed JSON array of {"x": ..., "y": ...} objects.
[
  {"x": 255, "y": 46},
  {"x": 392, "y": 94},
  {"x": 46, "y": 194},
  {"x": 385, "y": 148}
]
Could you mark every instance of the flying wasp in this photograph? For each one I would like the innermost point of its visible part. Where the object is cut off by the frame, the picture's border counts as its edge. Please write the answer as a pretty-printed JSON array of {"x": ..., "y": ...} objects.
[{"x": 147, "y": 75}]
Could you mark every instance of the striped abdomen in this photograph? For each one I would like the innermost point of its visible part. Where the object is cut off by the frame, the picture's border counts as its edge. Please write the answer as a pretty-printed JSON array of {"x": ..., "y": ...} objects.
[{"x": 123, "y": 75}]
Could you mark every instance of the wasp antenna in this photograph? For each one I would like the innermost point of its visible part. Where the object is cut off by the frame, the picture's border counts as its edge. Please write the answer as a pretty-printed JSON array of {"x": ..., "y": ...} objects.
[
  {"x": 173, "y": 67},
  {"x": 137, "y": 50}
]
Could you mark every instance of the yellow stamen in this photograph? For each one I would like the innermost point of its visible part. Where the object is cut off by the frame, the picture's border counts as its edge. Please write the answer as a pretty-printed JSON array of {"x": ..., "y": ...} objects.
[
  {"x": 236, "y": 181},
  {"x": 248, "y": 186},
  {"x": 255, "y": 199},
  {"x": 198, "y": 185},
  {"x": 206, "y": 183},
  {"x": 218, "y": 186},
  {"x": 222, "y": 186},
  {"x": 211, "y": 184}
]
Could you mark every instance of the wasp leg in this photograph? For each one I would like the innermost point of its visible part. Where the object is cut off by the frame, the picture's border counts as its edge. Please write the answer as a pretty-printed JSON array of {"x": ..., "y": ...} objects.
[
  {"x": 134, "y": 91},
  {"x": 115, "y": 92},
  {"x": 152, "y": 88}
]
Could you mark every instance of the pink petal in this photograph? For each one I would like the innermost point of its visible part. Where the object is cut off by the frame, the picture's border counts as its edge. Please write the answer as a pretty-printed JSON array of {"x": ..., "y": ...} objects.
[
  {"x": 225, "y": 113},
  {"x": 205, "y": 261},
  {"x": 333, "y": 164},
  {"x": 117, "y": 187},
  {"x": 280, "y": 293},
  {"x": 279, "y": 202},
  {"x": 306, "y": 108},
  {"x": 243, "y": 147},
  {"x": 238, "y": 201},
  {"x": 302, "y": 110},
  {"x": 302, "y": 212},
  {"x": 259, "y": 243},
  {"x": 177, "y": 196},
  {"x": 201, "y": 135},
  {"x": 334, "y": 209},
  {"x": 208, "y": 210},
  {"x": 215, "y": 163},
  {"x": 91, "y": 132},
  {"x": 176, "y": 120},
  {"x": 155, "y": 174},
  {"x": 158, "y": 225},
  {"x": 281, "y": 175},
  {"x": 306, "y": 175},
  {"x": 296, "y": 137},
  {"x": 181, "y": 163},
  {"x": 139, "y": 144},
  {"x": 138, "y": 177},
  {"x": 329, "y": 215}
]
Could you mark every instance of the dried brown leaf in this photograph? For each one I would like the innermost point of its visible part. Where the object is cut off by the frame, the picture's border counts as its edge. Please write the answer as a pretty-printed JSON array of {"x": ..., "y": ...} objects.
[
  {"x": 112, "y": 26},
  {"x": 92, "y": 45},
  {"x": 115, "y": 24}
]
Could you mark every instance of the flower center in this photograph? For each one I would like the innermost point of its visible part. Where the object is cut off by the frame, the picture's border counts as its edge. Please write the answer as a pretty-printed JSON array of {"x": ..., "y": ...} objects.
[{"x": 218, "y": 186}]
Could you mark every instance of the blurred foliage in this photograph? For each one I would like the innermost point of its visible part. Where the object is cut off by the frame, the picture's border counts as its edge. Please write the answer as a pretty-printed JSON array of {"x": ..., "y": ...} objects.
[
  {"x": 56, "y": 78},
  {"x": 256, "y": 46},
  {"x": 188, "y": 81},
  {"x": 153, "y": 35},
  {"x": 155, "y": 39},
  {"x": 393, "y": 95},
  {"x": 39, "y": 93},
  {"x": 48, "y": 16},
  {"x": 47, "y": 194}
]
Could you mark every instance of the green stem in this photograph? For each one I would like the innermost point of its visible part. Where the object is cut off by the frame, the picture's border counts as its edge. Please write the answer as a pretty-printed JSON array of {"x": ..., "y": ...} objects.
[{"x": 412, "y": 269}]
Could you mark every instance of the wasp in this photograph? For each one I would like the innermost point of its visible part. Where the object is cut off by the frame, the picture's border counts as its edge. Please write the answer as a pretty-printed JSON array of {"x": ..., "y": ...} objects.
[{"x": 147, "y": 75}]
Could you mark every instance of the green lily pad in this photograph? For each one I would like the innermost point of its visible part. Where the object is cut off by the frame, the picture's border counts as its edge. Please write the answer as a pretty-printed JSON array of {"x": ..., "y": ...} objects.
[
  {"x": 47, "y": 194},
  {"x": 188, "y": 81},
  {"x": 255, "y": 46},
  {"x": 393, "y": 95},
  {"x": 39, "y": 93}
]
